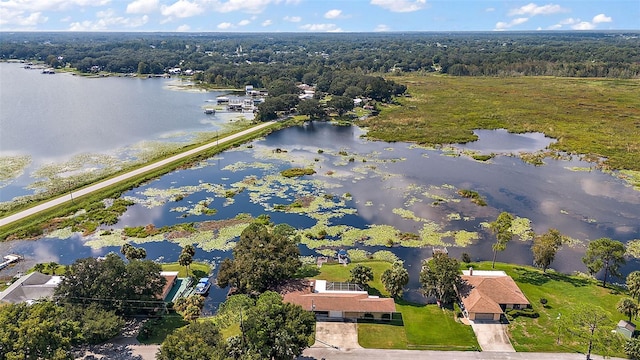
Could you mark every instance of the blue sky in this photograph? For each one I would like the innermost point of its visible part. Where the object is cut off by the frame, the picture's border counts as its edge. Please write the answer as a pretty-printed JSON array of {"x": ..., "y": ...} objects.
[{"x": 317, "y": 15}]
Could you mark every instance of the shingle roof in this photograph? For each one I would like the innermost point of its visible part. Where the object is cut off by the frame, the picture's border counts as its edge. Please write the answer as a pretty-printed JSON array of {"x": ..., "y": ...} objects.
[
  {"x": 30, "y": 287},
  {"x": 328, "y": 301},
  {"x": 485, "y": 294}
]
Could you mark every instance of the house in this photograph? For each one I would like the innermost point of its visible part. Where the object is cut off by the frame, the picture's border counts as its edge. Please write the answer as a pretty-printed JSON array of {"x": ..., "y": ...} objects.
[
  {"x": 30, "y": 288},
  {"x": 172, "y": 279},
  {"x": 626, "y": 328},
  {"x": 485, "y": 295},
  {"x": 336, "y": 300}
]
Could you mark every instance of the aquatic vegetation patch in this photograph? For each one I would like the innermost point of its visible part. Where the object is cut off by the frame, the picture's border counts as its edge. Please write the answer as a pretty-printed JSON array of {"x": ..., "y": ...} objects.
[
  {"x": 453, "y": 216},
  {"x": 465, "y": 238},
  {"x": 407, "y": 214},
  {"x": 473, "y": 195},
  {"x": 520, "y": 227},
  {"x": 386, "y": 255},
  {"x": 241, "y": 166},
  {"x": 632, "y": 177},
  {"x": 330, "y": 253},
  {"x": 12, "y": 167},
  {"x": 357, "y": 254},
  {"x": 579, "y": 168},
  {"x": 296, "y": 172}
]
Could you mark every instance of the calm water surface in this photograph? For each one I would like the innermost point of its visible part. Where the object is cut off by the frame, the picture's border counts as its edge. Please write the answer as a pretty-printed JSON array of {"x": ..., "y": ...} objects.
[{"x": 584, "y": 205}]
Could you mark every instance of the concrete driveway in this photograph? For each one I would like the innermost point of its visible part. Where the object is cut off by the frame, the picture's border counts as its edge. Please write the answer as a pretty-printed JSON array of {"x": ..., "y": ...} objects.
[
  {"x": 341, "y": 336},
  {"x": 492, "y": 336}
]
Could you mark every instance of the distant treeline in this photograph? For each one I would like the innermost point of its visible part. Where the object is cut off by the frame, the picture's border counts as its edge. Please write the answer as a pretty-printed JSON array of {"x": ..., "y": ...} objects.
[{"x": 236, "y": 60}]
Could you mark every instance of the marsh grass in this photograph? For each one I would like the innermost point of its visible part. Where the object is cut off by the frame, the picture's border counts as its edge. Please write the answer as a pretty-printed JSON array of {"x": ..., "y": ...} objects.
[{"x": 595, "y": 117}]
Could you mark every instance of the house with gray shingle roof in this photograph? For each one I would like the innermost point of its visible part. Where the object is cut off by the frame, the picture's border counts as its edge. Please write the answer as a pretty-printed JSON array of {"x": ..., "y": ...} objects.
[{"x": 30, "y": 288}]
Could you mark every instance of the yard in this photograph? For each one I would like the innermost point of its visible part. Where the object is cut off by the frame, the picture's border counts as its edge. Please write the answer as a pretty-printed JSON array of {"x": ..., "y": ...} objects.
[
  {"x": 563, "y": 293},
  {"x": 420, "y": 327}
]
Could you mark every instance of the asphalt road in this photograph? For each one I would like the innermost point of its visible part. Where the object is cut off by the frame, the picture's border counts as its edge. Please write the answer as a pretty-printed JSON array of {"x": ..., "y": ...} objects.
[{"x": 103, "y": 184}]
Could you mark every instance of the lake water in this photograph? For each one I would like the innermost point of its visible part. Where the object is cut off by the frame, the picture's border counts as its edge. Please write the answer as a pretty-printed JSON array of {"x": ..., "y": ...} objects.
[
  {"x": 364, "y": 185},
  {"x": 53, "y": 118}
]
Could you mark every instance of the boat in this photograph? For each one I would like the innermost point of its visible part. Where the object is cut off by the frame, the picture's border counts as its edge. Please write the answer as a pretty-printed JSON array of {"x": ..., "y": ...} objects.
[
  {"x": 209, "y": 111},
  {"x": 202, "y": 288}
]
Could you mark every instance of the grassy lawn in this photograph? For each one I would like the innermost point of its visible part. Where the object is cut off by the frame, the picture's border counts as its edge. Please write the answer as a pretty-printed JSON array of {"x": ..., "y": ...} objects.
[
  {"x": 160, "y": 328},
  {"x": 197, "y": 269},
  {"x": 338, "y": 272},
  {"x": 563, "y": 293},
  {"x": 421, "y": 327},
  {"x": 586, "y": 116}
]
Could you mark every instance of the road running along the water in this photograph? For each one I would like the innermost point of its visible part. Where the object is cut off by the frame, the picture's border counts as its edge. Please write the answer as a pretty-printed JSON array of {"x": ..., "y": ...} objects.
[{"x": 126, "y": 176}]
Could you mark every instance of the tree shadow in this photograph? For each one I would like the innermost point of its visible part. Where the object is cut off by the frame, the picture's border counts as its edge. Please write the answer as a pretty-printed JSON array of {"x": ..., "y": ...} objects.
[
  {"x": 538, "y": 278},
  {"x": 199, "y": 274},
  {"x": 307, "y": 271}
]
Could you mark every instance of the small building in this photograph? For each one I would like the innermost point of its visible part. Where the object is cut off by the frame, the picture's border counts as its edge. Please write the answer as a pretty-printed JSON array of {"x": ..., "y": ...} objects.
[
  {"x": 336, "y": 300},
  {"x": 627, "y": 329},
  {"x": 485, "y": 295},
  {"x": 172, "y": 278},
  {"x": 30, "y": 288}
]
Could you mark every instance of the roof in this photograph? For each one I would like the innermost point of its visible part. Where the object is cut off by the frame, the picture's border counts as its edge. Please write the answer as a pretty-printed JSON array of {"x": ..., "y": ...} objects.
[
  {"x": 624, "y": 324},
  {"x": 485, "y": 294},
  {"x": 171, "y": 277},
  {"x": 340, "y": 302},
  {"x": 30, "y": 287}
]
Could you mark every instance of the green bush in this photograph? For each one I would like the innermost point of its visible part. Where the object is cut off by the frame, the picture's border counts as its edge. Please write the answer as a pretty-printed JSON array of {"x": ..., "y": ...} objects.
[
  {"x": 528, "y": 312},
  {"x": 296, "y": 172}
]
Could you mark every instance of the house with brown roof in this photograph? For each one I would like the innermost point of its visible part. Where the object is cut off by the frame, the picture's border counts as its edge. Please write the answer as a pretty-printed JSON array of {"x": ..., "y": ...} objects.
[
  {"x": 485, "y": 295},
  {"x": 335, "y": 300}
]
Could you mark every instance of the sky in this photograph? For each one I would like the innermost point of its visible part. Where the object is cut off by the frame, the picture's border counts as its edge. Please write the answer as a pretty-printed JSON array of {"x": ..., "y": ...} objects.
[{"x": 317, "y": 15}]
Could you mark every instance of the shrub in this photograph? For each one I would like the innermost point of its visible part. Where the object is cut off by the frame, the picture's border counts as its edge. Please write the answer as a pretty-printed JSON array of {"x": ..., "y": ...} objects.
[
  {"x": 296, "y": 172},
  {"x": 528, "y": 312}
]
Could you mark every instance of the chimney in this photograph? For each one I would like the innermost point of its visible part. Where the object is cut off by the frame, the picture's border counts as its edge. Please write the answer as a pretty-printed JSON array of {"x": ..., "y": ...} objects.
[{"x": 470, "y": 270}]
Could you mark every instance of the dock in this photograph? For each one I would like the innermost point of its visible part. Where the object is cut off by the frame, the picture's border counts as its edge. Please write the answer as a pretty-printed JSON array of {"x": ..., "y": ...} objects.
[{"x": 10, "y": 259}]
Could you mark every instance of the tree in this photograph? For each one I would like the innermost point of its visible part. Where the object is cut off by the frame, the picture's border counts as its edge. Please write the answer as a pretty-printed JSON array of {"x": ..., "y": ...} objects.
[
  {"x": 341, "y": 104},
  {"x": 633, "y": 284},
  {"x": 312, "y": 108},
  {"x": 186, "y": 256},
  {"x": 632, "y": 349},
  {"x": 189, "y": 307},
  {"x": 198, "y": 340},
  {"x": 37, "y": 331},
  {"x": 502, "y": 230},
  {"x": 132, "y": 253},
  {"x": 39, "y": 267},
  {"x": 604, "y": 254},
  {"x": 545, "y": 248},
  {"x": 96, "y": 324},
  {"x": 53, "y": 266},
  {"x": 628, "y": 307},
  {"x": 277, "y": 330},
  {"x": 439, "y": 278},
  {"x": 590, "y": 325},
  {"x": 262, "y": 258},
  {"x": 112, "y": 284},
  {"x": 361, "y": 275},
  {"x": 395, "y": 279}
]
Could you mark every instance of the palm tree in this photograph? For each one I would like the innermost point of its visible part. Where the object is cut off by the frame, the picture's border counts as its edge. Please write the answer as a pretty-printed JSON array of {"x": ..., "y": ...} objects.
[
  {"x": 628, "y": 307},
  {"x": 53, "y": 266},
  {"x": 39, "y": 267}
]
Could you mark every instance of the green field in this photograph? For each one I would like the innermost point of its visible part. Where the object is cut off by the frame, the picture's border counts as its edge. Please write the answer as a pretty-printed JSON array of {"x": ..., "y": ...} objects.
[{"x": 594, "y": 117}]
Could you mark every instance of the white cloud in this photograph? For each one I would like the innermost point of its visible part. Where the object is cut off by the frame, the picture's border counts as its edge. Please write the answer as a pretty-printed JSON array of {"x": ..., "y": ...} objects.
[
  {"x": 49, "y": 5},
  {"x": 382, "y": 27},
  {"x": 17, "y": 18},
  {"x": 267, "y": 23},
  {"x": 333, "y": 14},
  {"x": 293, "y": 19},
  {"x": 181, "y": 9},
  {"x": 601, "y": 18},
  {"x": 400, "y": 5},
  {"x": 249, "y": 6},
  {"x": 583, "y": 25},
  {"x": 532, "y": 9},
  {"x": 142, "y": 6},
  {"x": 225, "y": 26},
  {"x": 506, "y": 25},
  {"x": 183, "y": 28},
  {"x": 244, "y": 22},
  {"x": 107, "y": 20},
  {"x": 321, "y": 27}
]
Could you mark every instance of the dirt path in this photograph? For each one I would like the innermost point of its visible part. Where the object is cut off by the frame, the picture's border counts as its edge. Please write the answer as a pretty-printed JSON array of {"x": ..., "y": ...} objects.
[{"x": 103, "y": 184}]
